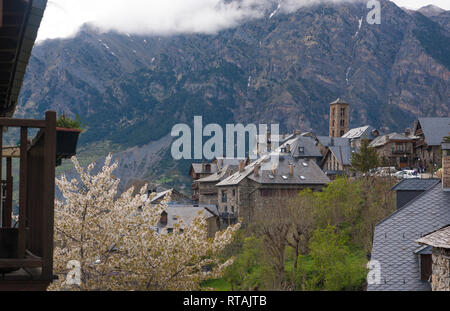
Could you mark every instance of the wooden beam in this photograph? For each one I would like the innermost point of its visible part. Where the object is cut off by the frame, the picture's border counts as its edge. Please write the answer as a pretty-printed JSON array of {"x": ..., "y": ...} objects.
[
  {"x": 49, "y": 194},
  {"x": 10, "y": 122},
  {"x": 20, "y": 263},
  {"x": 9, "y": 193},
  {"x": 23, "y": 190},
  {"x": 1, "y": 13}
]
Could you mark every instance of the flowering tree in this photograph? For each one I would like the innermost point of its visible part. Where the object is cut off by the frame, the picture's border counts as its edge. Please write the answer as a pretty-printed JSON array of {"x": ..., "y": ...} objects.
[{"x": 104, "y": 241}]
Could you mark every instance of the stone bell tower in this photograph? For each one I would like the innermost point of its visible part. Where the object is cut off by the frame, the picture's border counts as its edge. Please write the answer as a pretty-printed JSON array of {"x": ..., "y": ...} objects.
[{"x": 339, "y": 118}]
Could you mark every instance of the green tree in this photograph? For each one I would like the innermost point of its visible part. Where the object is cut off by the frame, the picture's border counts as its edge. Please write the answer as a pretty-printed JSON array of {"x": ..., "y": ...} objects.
[
  {"x": 333, "y": 266},
  {"x": 365, "y": 159}
]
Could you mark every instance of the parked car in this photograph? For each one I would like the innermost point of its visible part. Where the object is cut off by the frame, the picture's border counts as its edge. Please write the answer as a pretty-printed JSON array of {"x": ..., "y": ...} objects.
[{"x": 406, "y": 174}]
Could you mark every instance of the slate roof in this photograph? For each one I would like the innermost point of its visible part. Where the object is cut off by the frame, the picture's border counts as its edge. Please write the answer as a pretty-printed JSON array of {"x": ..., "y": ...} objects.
[
  {"x": 415, "y": 184},
  {"x": 439, "y": 238},
  {"x": 343, "y": 154},
  {"x": 198, "y": 168},
  {"x": 187, "y": 213},
  {"x": 384, "y": 139},
  {"x": 312, "y": 172},
  {"x": 360, "y": 132},
  {"x": 435, "y": 129},
  {"x": 306, "y": 171},
  {"x": 310, "y": 150},
  {"x": 395, "y": 238},
  {"x": 327, "y": 141},
  {"x": 219, "y": 175}
]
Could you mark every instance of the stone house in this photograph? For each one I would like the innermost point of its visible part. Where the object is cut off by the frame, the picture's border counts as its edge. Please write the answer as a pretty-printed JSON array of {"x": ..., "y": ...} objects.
[
  {"x": 174, "y": 213},
  {"x": 430, "y": 133},
  {"x": 207, "y": 189},
  {"x": 356, "y": 135},
  {"x": 439, "y": 265},
  {"x": 239, "y": 194},
  {"x": 395, "y": 149},
  {"x": 198, "y": 171}
]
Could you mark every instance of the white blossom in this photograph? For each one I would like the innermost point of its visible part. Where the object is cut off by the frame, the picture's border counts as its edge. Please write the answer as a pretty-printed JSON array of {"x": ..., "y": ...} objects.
[{"x": 111, "y": 236}]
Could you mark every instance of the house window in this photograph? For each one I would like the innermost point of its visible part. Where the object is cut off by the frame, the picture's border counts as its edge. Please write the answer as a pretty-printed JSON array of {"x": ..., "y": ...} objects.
[
  {"x": 342, "y": 112},
  {"x": 342, "y": 133},
  {"x": 208, "y": 168},
  {"x": 332, "y": 133},
  {"x": 342, "y": 122},
  {"x": 301, "y": 149},
  {"x": 333, "y": 112},
  {"x": 232, "y": 210},
  {"x": 234, "y": 192},
  {"x": 224, "y": 196},
  {"x": 225, "y": 209},
  {"x": 334, "y": 123}
]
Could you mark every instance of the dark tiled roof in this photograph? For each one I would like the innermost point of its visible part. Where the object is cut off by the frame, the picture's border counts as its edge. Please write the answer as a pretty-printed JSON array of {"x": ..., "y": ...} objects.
[
  {"x": 219, "y": 175},
  {"x": 383, "y": 140},
  {"x": 435, "y": 129},
  {"x": 415, "y": 184},
  {"x": 395, "y": 238},
  {"x": 305, "y": 172},
  {"x": 327, "y": 141},
  {"x": 308, "y": 144},
  {"x": 198, "y": 168},
  {"x": 343, "y": 154}
]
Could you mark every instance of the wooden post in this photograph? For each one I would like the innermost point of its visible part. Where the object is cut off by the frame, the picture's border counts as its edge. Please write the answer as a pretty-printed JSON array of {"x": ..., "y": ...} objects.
[
  {"x": 23, "y": 190},
  {"x": 9, "y": 192},
  {"x": 1, "y": 13},
  {"x": 49, "y": 194}
]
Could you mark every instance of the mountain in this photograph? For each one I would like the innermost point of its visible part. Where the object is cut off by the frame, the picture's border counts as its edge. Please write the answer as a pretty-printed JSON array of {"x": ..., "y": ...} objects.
[{"x": 285, "y": 68}]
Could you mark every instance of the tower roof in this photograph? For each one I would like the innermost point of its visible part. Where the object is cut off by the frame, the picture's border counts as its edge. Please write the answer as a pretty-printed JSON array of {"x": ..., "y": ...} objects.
[{"x": 339, "y": 101}]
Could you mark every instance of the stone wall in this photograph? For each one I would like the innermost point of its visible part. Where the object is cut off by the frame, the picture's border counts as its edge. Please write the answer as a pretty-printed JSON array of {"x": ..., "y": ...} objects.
[{"x": 441, "y": 269}]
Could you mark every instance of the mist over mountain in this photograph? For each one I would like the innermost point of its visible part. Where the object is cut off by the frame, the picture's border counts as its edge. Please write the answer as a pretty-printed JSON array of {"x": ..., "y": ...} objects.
[{"x": 283, "y": 68}]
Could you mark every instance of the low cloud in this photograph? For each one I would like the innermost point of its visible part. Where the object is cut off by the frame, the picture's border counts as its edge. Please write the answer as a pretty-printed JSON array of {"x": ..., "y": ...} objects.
[{"x": 160, "y": 17}]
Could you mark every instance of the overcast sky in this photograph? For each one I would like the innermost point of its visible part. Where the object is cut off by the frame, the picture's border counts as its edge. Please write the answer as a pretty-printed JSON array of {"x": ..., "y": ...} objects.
[{"x": 164, "y": 17}]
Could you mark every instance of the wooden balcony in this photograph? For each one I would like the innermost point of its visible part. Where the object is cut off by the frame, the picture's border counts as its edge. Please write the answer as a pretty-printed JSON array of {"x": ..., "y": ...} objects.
[{"x": 26, "y": 247}]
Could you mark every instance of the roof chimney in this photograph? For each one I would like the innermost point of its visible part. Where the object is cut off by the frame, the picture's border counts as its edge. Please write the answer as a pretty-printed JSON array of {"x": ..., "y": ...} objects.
[
  {"x": 288, "y": 148},
  {"x": 407, "y": 132},
  {"x": 256, "y": 170},
  {"x": 291, "y": 169},
  {"x": 241, "y": 166},
  {"x": 446, "y": 166}
]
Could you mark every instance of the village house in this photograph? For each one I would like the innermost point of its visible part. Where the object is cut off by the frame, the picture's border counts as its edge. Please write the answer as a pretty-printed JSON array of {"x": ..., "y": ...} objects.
[
  {"x": 357, "y": 135},
  {"x": 198, "y": 171},
  {"x": 405, "y": 264},
  {"x": 429, "y": 133},
  {"x": 184, "y": 214},
  {"x": 338, "y": 161},
  {"x": 239, "y": 193},
  {"x": 394, "y": 149},
  {"x": 207, "y": 189}
]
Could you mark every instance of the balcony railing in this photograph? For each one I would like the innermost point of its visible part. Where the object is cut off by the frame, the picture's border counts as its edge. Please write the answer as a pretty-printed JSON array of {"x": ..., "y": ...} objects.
[
  {"x": 26, "y": 249},
  {"x": 399, "y": 151}
]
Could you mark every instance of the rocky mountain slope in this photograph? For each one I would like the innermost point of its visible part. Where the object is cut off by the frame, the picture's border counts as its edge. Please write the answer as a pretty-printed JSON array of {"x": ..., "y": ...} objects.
[{"x": 284, "y": 68}]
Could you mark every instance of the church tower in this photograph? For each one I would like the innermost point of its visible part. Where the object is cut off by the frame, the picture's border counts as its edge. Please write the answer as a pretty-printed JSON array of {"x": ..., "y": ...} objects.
[{"x": 339, "y": 118}]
